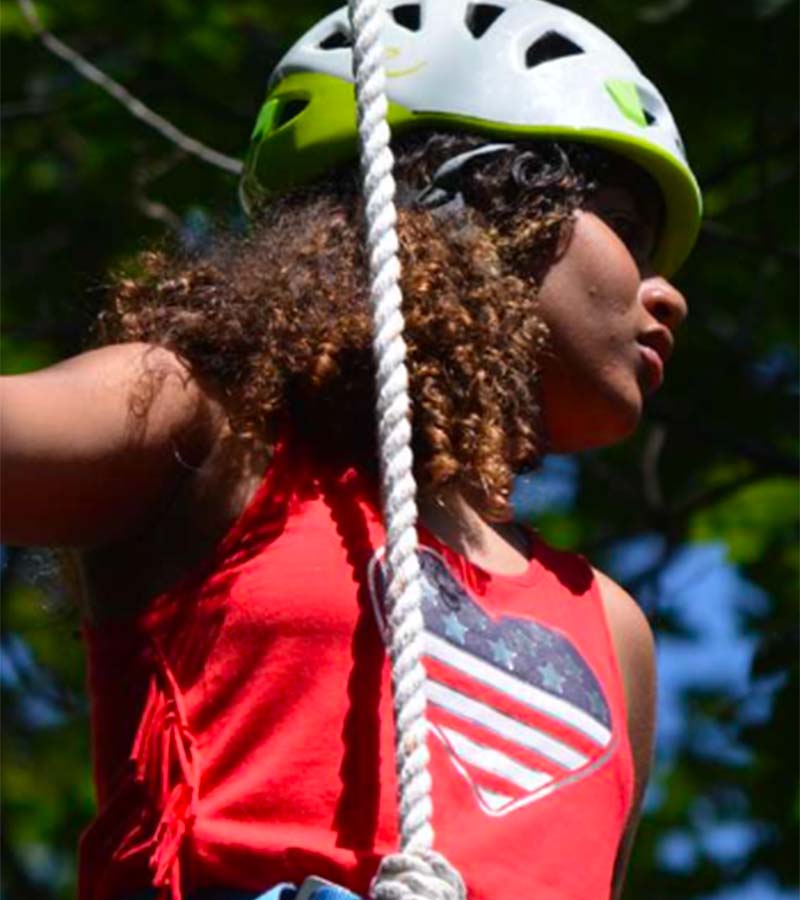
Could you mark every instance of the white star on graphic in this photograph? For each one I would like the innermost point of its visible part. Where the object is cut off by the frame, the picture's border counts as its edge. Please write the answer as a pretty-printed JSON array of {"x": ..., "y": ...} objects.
[
  {"x": 501, "y": 653},
  {"x": 596, "y": 704},
  {"x": 453, "y": 628},
  {"x": 551, "y": 678}
]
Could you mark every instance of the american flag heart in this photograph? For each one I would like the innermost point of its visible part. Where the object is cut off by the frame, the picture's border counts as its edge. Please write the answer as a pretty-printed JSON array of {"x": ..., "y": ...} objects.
[{"x": 517, "y": 707}]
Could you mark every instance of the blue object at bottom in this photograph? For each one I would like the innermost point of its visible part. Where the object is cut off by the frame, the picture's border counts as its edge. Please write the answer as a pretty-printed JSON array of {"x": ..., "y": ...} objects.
[
  {"x": 318, "y": 892},
  {"x": 283, "y": 891}
]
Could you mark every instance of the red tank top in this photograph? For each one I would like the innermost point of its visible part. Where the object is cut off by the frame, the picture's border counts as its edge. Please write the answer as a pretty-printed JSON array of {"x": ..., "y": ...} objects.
[{"x": 243, "y": 728}]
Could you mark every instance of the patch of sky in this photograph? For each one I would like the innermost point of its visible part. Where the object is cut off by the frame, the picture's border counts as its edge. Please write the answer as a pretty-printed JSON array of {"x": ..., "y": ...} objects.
[
  {"x": 678, "y": 852},
  {"x": 760, "y": 886},
  {"x": 726, "y": 843},
  {"x": 46, "y": 867},
  {"x": 9, "y": 676},
  {"x": 756, "y": 707},
  {"x": 654, "y": 796},
  {"x": 637, "y": 562},
  {"x": 729, "y": 842},
  {"x": 195, "y": 231},
  {"x": 552, "y": 488},
  {"x": 704, "y": 593},
  {"x": 38, "y": 713},
  {"x": 778, "y": 369},
  {"x": 20, "y": 673},
  {"x": 15, "y": 660}
]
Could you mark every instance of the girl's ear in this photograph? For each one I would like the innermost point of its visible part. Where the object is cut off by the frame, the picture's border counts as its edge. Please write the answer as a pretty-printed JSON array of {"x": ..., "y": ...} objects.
[{"x": 565, "y": 234}]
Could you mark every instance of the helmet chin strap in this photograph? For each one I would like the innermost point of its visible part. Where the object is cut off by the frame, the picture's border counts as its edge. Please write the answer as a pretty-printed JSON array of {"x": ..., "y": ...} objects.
[
  {"x": 443, "y": 195},
  {"x": 445, "y": 187}
]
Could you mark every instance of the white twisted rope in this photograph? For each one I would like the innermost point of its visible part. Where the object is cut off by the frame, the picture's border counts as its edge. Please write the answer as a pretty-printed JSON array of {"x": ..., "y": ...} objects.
[{"x": 417, "y": 871}]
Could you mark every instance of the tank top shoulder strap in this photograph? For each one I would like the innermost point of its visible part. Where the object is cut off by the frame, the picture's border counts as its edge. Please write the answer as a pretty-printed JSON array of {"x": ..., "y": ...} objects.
[
  {"x": 267, "y": 508},
  {"x": 570, "y": 569}
]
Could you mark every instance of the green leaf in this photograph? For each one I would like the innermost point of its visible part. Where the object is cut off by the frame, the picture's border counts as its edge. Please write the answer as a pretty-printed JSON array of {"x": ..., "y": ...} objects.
[{"x": 749, "y": 520}]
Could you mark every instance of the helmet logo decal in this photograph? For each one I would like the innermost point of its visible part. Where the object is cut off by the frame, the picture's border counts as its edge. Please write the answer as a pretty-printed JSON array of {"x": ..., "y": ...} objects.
[
  {"x": 402, "y": 73},
  {"x": 266, "y": 117},
  {"x": 516, "y": 706},
  {"x": 392, "y": 53},
  {"x": 626, "y": 96}
]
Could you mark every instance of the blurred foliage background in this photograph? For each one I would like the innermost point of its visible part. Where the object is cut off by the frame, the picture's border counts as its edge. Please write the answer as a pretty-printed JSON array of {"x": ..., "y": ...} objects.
[{"x": 698, "y": 515}]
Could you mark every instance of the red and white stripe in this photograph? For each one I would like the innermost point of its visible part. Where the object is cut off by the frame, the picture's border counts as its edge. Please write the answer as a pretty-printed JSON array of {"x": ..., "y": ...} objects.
[{"x": 512, "y": 740}]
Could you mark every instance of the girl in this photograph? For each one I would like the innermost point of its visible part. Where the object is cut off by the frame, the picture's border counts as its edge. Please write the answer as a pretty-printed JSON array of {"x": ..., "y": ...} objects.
[{"x": 213, "y": 461}]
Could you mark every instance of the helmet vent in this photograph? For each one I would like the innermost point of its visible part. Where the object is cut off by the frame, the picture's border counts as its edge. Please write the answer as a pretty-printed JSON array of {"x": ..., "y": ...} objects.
[
  {"x": 289, "y": 110},
  {"x": 338, "y": 39},
  {"x": 549, "y": 47},
  {"x": 481, "y": 17},
  {"x": 407, "y": 16},
  {"x": 652, "y": 106}
]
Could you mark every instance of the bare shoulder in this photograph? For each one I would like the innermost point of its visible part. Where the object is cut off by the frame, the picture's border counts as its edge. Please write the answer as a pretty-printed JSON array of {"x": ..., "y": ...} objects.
[
  {"x": 152, "y": 383},
  {"x": 629, "y": 626},
  {"x": 635, "y": 650},
  {"x": 101, "y": 431},
  {"x": 123, "y": 360},
  {"x": 199, "y": 476},
  {"x": 144, "y": 387}
]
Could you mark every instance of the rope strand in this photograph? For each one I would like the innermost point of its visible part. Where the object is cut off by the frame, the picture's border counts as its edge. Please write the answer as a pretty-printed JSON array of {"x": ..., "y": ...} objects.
[{"x": 417, "y": 871}]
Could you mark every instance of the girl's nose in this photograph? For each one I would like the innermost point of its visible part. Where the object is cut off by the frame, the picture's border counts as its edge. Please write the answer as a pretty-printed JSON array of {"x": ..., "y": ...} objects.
[{"x": 665, "y": 303}]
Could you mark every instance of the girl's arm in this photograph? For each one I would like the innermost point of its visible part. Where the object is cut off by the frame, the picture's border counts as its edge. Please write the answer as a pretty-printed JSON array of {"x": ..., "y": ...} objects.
[
  {"x": 635, "y": 650},
  {"x": 89, "y": 447}
]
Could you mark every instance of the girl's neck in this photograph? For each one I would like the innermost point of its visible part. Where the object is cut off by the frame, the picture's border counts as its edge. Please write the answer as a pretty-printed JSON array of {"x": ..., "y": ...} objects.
[{"x": 501, "y": 548}]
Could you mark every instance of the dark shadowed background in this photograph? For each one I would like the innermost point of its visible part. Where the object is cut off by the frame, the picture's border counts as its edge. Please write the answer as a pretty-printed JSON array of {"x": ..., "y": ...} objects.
[{"x": 697, "y": 516}]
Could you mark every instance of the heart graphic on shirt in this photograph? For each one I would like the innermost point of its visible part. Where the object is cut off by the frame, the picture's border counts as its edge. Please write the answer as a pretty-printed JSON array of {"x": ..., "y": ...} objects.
[{"x": 517, "y": 707}]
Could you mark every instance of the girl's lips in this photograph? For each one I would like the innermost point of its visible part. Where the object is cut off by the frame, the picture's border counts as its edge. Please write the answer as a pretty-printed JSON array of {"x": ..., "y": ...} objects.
[{"x": 654, "y": 367}]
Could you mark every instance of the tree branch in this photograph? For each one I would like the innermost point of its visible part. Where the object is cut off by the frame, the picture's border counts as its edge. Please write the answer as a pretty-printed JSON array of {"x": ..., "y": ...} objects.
[
  {"x": 134, "y": 106},
  {"x": 152, "y": 209}
]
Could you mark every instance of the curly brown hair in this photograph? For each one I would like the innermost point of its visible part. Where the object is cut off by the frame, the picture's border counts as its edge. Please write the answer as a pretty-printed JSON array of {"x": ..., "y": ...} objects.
[{"x": 279, "y": 318}]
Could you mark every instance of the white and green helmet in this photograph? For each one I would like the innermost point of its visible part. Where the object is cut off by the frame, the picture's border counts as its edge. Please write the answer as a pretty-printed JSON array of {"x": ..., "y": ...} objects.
[{"x": 512, "y": 69}]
